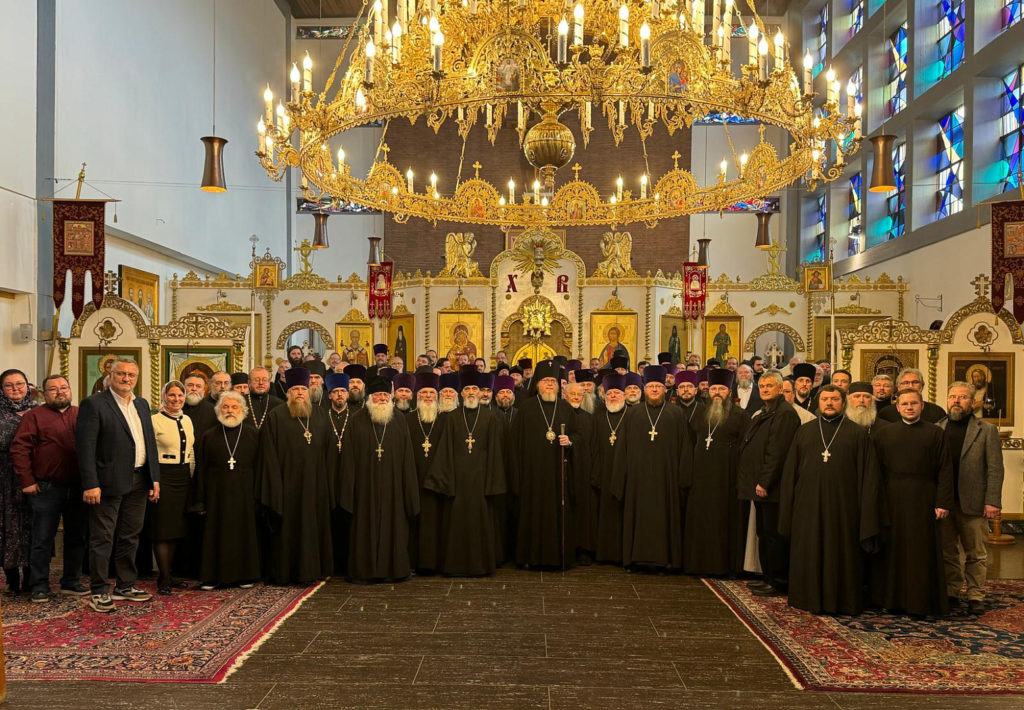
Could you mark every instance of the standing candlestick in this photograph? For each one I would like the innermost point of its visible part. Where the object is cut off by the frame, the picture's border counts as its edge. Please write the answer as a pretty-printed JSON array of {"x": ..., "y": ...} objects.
[
  {"x": 378, "y": 29},
  {"x": 698, "y": 18},
  {"x": 830, "y": 77},
  {"x": 261, "y": 129},
  {"x": 396, "y": 42},
  {"x": 723, "y": 168}
]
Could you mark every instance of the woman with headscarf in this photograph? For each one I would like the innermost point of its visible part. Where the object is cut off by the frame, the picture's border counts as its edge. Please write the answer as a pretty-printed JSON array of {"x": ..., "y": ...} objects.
[
  {"x": 175, "y": 438},
  {"x": 15, "y": 514}
]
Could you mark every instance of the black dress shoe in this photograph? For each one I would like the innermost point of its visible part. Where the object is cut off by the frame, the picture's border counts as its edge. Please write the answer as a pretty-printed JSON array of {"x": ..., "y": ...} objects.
[
  {"x": 976, "y": 606},
  {"x": 766, "y": 591},
  {"x": 759, "y": 584}
]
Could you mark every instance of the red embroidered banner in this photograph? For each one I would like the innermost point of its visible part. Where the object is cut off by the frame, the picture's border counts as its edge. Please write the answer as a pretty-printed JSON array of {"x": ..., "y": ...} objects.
[
  {"x": 1008, "y": 257},
  {"x": 78, "y": 240},
  {"x": 695, "y": 288},
  {"x": 379, "y": 296}
]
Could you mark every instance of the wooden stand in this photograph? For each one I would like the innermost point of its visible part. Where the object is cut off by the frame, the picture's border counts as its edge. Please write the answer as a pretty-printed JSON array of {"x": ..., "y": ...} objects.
[{"x": 997, "y": 536}]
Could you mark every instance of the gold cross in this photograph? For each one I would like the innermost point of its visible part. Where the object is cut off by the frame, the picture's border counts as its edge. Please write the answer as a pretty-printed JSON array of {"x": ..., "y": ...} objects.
[
  {"x": 576, "y": 171},
  {"x": 380, "y": 451},
  {"x": 339, "y": 446},
  {"x": 826, "y": 455},
  {"x": 426, "y": 447},
  {"x": 476, "y": 167},
  {"x": 675, "y": 160},
  {"x": 231, "y": 463},
  {"x": 707, "y": 442},
  {"x": 385, "y": 150},
  {"x": 309, "y": 437},
  {"x": 612, "y": 438},
  {"x": 653, "y": 432},
  {"x": 470, "y": 441},
  {"x": 981, "y": 283}
]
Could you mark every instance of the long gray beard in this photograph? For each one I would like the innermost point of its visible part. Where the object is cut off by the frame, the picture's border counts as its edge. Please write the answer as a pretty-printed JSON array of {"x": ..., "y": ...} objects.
[
  {"x": 957, "y": 414},
  {"x": 547, "y": 397},
  {"x": 745, "y": 385},
  {"x": 316, "y": 394},
  {"x": 470, "y": 402},
  {"x": 380, "y": 413},
  {"x": 589, "y": 401},
  {"x": 448, "y": 405},
  {"x": 231, "y": 422},
  {"x": 402, "y": 405},
  {"x": 300, "y": 408},
  {"x": 865, "y": 416},
  {"x": 427, "y": 412},
  {"x": 718, "y": 410},
  {"x": 613, "y": 408},
  {"x": 193, "y": 399}
]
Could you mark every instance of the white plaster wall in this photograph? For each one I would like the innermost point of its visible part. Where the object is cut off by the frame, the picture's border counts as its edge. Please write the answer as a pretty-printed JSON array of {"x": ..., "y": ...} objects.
[{"x": 134, "y": 96}]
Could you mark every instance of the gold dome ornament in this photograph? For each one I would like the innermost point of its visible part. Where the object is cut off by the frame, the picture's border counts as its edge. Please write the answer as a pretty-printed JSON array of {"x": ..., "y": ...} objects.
[{"x": 549, "y": 146}]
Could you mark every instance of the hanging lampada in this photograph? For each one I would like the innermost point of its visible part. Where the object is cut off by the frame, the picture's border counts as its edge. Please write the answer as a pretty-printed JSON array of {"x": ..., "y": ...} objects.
[
  {"x": 213, "y": 167},
  {"x": 320, "y": 230},
  {"x": 764, "y": 240},
  {"x": 883, "y": 176}
]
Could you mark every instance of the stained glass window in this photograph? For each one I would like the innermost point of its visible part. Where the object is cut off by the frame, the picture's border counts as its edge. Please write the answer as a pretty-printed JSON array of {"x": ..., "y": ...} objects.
[
  {"x": 951, "y": 35},
  {"x": 896, "y": 202},
  {"x": 856, "y": 16},
  {"x": 822, "y": 40},
  {"x": 951, "y": 166},
  {"x": 819, "y": 227},
  {"x": 896, "y": 80},
  {"x": 1010, "y": 129},
  {"x": 854, "y": 215},
  {"x": 1012, "y": 11}
]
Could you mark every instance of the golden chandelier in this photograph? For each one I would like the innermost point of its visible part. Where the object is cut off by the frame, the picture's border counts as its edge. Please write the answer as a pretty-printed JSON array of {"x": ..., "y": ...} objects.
[{"x": 531, "y": 63}]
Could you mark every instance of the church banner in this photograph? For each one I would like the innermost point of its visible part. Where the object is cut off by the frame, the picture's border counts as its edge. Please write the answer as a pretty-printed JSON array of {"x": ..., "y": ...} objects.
[
  {"x": 695, "y": 287},
  {"x": 379, "y": 297},
  {"x": 78, "y": 246},
  {"x": 1008, "y": 257}
]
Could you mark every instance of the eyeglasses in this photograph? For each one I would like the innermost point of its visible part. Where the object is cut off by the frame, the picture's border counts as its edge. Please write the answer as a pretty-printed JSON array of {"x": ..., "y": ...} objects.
[
  {"x": 911, "y": 382},
  {"x": 15, "y": 385}
]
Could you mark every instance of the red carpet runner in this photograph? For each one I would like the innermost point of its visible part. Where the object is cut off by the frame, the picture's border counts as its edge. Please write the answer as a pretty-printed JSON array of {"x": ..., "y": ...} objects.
[
  {"x": 878, "y": 652},
  {"x": 188, "y": 637}
]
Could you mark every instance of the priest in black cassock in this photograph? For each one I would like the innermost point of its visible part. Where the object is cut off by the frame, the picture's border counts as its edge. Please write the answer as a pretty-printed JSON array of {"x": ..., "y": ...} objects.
[
  {"x": 448, "y": 394},
  {"x": 468, "y": 471},
  {"x": 338, "y": 414},
  {"x": 912, "y": 379},
  {"x": 225, "y": 495},
  {"x": 917, "y": 480},
  {"x": 652, "y": 459},
  {"x": 505, "y": 409},
  {"x": 541, "y": 476},
  {"x": 803, "y": 385},
  {"x": 607, "y": 431},
  {"x": 829, "y": 505},
  {"x": 505, "y": 398},
  {"x": 295, "y": 486},
  {"x": 379, "y": 488},
  {"x": 634, "y": 391},
  {"x": 380, "y": 360},
  {"x": 404, "y": 384},
  {"x": 524, "y": 389},
  {"x": 716, "y": 520},
  {"x": 198, "y": 407},
  {"x": 763, "y": 451},
  {"x": 426, "y": 425},
  {"x": 259, "y": 399},
  {"x": 586, "y": 520},
  {"x": 686, "y": 397}
]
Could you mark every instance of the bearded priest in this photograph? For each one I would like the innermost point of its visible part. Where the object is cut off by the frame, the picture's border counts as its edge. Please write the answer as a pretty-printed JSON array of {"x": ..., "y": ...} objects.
[
  {"x": 607, "y": 430},
  {"x": 425, "y": 430},
  {"x": 224, "y": 491},
  {"x": 295, "y": 485},
  {"x": 379, "y": 488},
  {"x": 652, "y": 458}
]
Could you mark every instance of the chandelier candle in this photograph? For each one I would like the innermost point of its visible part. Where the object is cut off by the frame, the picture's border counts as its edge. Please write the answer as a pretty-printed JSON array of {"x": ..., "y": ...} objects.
[
  {"x": 296, "y": 78},
  {"x": 307, "y": 73},
  {"x": 624, "y": 26}
]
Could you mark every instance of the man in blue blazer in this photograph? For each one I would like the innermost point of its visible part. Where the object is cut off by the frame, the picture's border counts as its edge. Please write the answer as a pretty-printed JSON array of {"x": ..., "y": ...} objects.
[{"x": 118, "y": 461}]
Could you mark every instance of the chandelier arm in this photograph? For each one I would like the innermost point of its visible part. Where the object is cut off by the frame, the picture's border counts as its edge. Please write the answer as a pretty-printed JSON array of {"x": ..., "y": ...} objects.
[
  {"x": 380, "y": 143},
  {"x": 462, "y": 157},
  {"x": 732, "y": 148},
  {"x": 341, "y": 55}
]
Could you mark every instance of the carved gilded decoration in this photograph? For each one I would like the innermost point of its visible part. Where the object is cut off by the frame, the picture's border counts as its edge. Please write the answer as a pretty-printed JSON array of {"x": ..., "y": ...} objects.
[
  {"x": 305, "y": 307},
  {"x": 772, "y": 310},
  {"x": 458, "y": 252},
  {"x": 324, "y": 334},
  {"x": 223, "y": 306},
  {"x": 617, "y": 250},
  {"x": 115, "y": 303},
  {"x": 798, "y": 342}
]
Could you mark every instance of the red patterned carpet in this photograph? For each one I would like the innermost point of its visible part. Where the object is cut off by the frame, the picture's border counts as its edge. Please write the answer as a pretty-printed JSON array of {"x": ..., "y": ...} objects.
[
  {"x": 189, "y": 637},
  {"x": 878, "y": 652}
]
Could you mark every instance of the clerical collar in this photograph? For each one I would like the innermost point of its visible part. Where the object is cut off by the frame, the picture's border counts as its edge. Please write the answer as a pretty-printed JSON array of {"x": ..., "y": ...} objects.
[
  {"x": 339, "y": 411},
  {"x": 912, "y": 421},
  {"x": 832, "y": 420}
]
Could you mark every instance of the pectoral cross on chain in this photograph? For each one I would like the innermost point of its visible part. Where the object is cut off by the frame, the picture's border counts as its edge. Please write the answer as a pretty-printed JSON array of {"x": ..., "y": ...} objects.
[
  {"x": 309, "y": 437},
  {"x": 612, "y": 438},
  {"x": 339, "y": 446},
  {"x": 470, "y": 441},
  {"x": 380, "y": 452},
  {"x": 826, "y": 455},
  {"x": 426, "y": 447},
  {"x": 653, "y": 432},
  {"x": 707, "y": 443},
  {"x": 231, "y": 463}
]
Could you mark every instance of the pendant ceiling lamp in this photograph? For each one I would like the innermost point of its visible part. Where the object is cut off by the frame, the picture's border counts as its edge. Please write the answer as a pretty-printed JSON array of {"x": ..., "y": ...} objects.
[
  {"x": 320, "y": 230},
  {"x": 883, "y": 176},
  {"x": 702, "y": 253},
  {"x": 213, "y": 167},
  {"x": 374, "y": 259},
  {"x": 764, "y": 240}
]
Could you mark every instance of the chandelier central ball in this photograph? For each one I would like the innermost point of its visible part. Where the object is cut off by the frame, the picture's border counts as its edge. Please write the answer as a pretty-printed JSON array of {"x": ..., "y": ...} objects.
[{"x": 549, "y": 145}]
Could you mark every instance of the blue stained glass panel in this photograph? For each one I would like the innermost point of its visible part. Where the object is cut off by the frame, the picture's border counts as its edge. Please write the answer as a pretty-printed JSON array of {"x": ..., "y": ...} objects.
[
  {"x": 856, "y": 16},
  {"x": 951, "y": 35},
  {"x": 854, "y": 215},
  {"x": 896, "y": 203},
  {"x": 1011, "y": 130},
  {"x": 819, "y": 236},
  {"x": 950, "y": 163},
  {"x": 822, "y": 40},
  {"x": 896, "y": 70},
  {"x": 1012, "y": 11}
]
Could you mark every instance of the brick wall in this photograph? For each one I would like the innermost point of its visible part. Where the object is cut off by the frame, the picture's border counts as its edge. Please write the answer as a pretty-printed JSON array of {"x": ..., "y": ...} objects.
[{"x": 420, "y": 245}]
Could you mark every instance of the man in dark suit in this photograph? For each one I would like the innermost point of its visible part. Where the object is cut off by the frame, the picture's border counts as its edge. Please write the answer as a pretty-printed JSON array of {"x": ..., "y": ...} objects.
[
  {"x": 762, "y": 455},
  {"x": 977, "y": 486},
  {"x": 118, "y": 461},
  {"x": 745, "y": 390}
]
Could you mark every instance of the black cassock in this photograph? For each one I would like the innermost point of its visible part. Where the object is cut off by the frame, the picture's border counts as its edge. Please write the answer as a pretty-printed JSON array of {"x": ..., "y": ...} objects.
[
  {"x": 716, "y": 520},
  {"x": 340, "y": 520},
  {"x": 227, "y": 496},
  {"x": 425, "y": 530},
  {"x": 382, "y": 494},
  {"x": 504, "y": 521},
  {"x": 609, "y": 508},
  {"x": 260, "y": 405},
  {"x": 829, "y": 510},
  {"x": 535, "y": 483},
  {"x": 296, "y": 486},
  {"x": 916, "y": 478},
  {"x": 468, "y": 479},
  {"x": 586, "y": 529},
  {"x": 647, "y": 476}
]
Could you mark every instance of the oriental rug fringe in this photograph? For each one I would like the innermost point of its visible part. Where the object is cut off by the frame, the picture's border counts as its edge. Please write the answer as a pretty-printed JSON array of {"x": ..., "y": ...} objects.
[
  {"x": 191, "y": 636},
  {"x": 886, "y": 653}
]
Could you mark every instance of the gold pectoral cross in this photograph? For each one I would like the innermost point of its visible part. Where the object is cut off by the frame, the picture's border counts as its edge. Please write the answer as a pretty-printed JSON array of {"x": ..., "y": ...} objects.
[
  {"x": 653, "y": 432},
  {"x": 426, "y": 447},
  {"x": 380, "y": 452},
  {"x": 339, "y": 446},
  {"x": 826, "y": 455},
  {"x": 707, "y": 442},
  {"x": 309, "y": 437},
  {"x": 470, "y": 441},
  {"x": 231, "y": 463},
  {"x": 612, "y": 438}
]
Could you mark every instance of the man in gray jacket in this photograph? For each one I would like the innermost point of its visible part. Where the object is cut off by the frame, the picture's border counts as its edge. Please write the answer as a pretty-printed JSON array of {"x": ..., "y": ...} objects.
[{"x": 978, "y": 484}]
